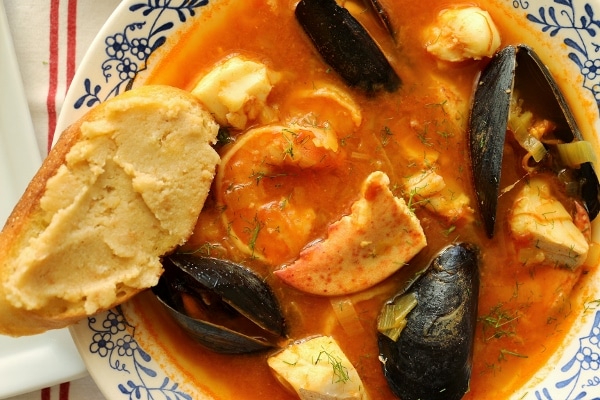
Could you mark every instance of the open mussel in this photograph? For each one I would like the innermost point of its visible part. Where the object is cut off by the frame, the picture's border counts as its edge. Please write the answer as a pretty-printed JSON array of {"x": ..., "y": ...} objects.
[
  {"x": 518, "y": 71},
  {"x": 346, "y": 46},
  {"x": 224, "y": 306},
  {"x": 426, "y": 332}
]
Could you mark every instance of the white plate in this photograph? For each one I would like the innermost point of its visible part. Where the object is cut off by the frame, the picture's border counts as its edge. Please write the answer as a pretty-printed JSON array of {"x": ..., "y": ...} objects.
[
  {"x": 110, "y": 343},
  {"x": 27, "y": 363}
]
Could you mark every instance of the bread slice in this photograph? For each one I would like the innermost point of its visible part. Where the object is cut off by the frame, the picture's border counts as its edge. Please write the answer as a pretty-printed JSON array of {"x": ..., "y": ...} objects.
[{"x": 123, "y": 186}]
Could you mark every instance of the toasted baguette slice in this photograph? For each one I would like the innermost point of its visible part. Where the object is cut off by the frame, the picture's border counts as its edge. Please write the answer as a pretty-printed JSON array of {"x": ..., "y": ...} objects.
[{"x": 123, "y": 186}]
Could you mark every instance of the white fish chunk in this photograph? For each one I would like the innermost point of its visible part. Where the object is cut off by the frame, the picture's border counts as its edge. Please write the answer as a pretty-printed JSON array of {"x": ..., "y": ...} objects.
[
  {"x": 236, "y": 91},
  {"x": 428, "y": 188},
  {"x": 317, "y": 369},
  {"x": 543, "y": 230}
]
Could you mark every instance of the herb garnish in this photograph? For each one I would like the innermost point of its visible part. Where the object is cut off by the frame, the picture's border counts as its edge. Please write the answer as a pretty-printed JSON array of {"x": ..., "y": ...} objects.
[
  {"x": 340, "y": 372},
  {"x": 505, "y": 352},
  {"x": 500, "y": 321},
  {"x": 253, "y": 230},
  {"x": 411, "y": 203}
]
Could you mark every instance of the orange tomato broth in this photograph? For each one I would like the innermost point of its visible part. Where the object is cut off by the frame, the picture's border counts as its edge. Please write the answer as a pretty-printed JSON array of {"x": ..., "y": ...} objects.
[{"x": 531, "y": 308}]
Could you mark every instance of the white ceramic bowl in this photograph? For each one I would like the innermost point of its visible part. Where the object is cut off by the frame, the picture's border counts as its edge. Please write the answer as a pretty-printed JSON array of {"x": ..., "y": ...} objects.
[{"x": 109, "y": 343}]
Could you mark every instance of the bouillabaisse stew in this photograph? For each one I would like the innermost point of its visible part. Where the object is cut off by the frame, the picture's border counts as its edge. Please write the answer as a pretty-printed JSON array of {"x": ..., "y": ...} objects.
[{"x": 298, "y": 162}]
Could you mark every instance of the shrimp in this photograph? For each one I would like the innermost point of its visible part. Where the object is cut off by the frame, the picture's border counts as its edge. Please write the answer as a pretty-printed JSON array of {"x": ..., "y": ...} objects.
[{"x": 266, "y": 184}]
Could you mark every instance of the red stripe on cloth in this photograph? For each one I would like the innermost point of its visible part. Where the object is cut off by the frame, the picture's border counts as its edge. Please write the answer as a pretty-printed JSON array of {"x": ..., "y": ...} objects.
[
  {"x": 45, "y": 394},
  {"x": 63, "y": 393},
  {"x": 52, "y": 70},
  {"x": 71, "y": 40}
]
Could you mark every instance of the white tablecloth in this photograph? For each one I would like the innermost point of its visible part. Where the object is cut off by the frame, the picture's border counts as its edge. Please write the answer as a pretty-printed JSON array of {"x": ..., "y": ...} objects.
[{"x": 50, "y": 38}]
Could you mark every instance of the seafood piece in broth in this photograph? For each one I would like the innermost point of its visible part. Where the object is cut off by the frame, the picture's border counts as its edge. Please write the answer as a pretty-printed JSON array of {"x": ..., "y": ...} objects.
[
  {"x": 426, "y": 333},
  {"x": 517, "y": 79},
  {"x": 235, "y": 92},
  {"x": 543, "y": 230},
  {"x": 463, "y": 33},
  {"x": 316, "y": 368},
  {"x": 224, "y": 306},
  {"x": 361, "y": 249},
  {"x": 264, "y": 158},
  {"x": 346, "y": 46}
]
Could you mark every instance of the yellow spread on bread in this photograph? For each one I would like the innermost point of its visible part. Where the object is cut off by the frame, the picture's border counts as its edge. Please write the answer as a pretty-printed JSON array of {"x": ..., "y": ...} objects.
[{"x": 129, "y": 190}]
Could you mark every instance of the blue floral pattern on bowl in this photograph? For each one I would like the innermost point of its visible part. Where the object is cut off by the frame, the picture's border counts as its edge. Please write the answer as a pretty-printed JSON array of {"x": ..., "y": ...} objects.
[
  {"x": 127, "y": 51},
  {"x": 122, "y": 51},
  {"x": 113, "y": 339},
  {"x": 579, "y": 376},
  {"x": 577, "y": 23}
]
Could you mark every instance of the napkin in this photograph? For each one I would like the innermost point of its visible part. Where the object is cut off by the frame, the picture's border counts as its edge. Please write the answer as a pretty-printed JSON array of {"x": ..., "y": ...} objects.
[{"x": 50, "y": 38}]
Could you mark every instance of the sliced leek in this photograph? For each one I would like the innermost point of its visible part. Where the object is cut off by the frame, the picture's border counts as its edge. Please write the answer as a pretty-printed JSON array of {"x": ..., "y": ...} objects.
[
  {"x": 576, "y": 153},
  {"x": 392, "y": 319},
  {"x": 520, "y": 125},
  {"x": 347, "y": 316}
]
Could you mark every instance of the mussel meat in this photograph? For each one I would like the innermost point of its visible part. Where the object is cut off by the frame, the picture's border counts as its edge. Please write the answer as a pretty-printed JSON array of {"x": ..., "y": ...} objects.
[
  {"x": 431, "y": 358},
  {"x": 223, "y": 305},
  {"x": 518, "y": 69},
  {"x": 346, "y": 46}
]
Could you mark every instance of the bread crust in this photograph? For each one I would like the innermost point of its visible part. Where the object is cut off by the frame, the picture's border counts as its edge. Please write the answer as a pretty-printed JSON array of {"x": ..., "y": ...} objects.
[
  {"x": 14, "y": 321},
  {"x": 21, "y": 312}
]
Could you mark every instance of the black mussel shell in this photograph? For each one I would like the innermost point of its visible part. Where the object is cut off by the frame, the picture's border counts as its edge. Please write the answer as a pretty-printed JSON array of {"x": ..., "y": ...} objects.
[
  {"x": 227, "y": 286},
  {"x": 346, "y": 46},
  {"x": 487, "y": 131},
  {"x": 383, "y": 17},
  {"x": 517, "y": 68},
  {"x": 432, "y": 357},
  {"x": 216, "y": 337}
]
